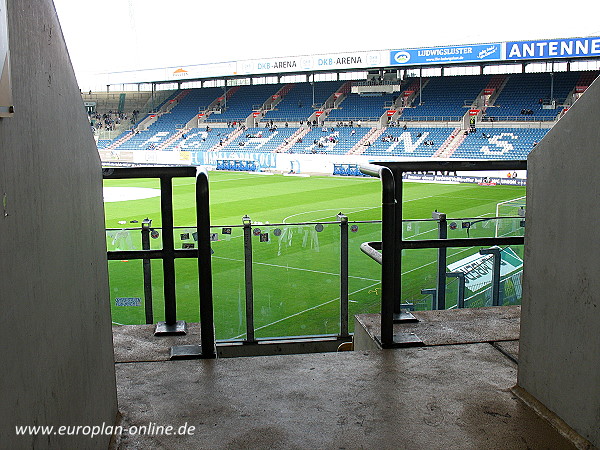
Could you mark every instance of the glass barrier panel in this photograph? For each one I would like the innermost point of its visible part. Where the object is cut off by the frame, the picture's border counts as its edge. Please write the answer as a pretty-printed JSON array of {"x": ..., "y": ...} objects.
[
  {"x": 364, "y": 274},
  {"x": 123, "y": 239},
  {"x": 121, "y": 211},
  {"x": 478, "y": 271},
  {"x": 419, "y": 271},
  {"x": 452, "y": 286},
  {"x": 186, "y": 289},
  {"x": 419, "y": 229},
  {"x": 478, "y": 279},
  {"x": 126, "y": 292},
  {"x": 127, "y": 299},
  {"x": 296, "y": 279},
  {"x": 229, "y": 284}
]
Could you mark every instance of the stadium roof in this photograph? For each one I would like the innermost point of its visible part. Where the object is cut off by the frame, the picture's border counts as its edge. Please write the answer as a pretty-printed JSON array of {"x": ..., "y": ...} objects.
[
  {"x": 474, "y": 54},
  {"x": 118, "y": 36}
]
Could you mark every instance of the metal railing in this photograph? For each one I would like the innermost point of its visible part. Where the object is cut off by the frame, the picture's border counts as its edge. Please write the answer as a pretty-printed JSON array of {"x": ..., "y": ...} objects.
[
  {"x": 522, "y": 118},
  {"x": 244, "y": 266},
  {"x": 131, "y": 238},
  {"x": 403, "y": 118},
  {"x": 168, "y": 253},
  {"x": 388, "y": 252}
]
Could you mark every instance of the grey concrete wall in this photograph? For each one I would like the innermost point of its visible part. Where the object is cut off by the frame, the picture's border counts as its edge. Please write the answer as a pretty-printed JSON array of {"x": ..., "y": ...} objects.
[
  {"x": 55, "y": 326},
  {"x": 559, "y": 361}
]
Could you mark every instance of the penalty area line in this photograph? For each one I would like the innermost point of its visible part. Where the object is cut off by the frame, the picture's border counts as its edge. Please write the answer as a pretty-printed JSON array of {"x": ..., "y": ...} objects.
[
  {"x": 306, "y": 310},
  {"x": 294, "y": 268}
]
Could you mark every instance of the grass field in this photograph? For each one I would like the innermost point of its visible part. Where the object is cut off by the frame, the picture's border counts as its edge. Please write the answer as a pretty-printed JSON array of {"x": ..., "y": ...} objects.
[{"x": 296, "y": 274}]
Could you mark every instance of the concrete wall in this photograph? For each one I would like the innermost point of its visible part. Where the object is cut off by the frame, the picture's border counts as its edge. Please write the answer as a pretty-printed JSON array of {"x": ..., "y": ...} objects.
[
  {"x": 559, "y": 361},
  {"x": 55, "y": 326}
]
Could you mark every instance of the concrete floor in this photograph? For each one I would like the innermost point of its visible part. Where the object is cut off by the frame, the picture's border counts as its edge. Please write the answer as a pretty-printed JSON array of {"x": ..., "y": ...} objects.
[{"x": 450, "y": 396}]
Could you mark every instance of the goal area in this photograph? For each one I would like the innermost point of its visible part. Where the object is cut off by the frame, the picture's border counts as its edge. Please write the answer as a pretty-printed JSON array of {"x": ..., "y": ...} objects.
[{"x": 510, "y": 216}]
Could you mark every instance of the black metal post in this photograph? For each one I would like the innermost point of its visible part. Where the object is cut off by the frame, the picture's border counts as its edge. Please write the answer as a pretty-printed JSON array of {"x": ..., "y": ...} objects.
[
  {"x": 390, "y": 278},
  {"x": 166, "y": 207},
  {"x": 171, "y": 325},
  {"x": 207, "y": 332},
  {"x": 460, "y": 303},
  {"x": 398, "y": 232},
  {"x": 433, "y": 293},
  {"x": 495, "y": 251},
  {"x": 147, "y": 268},
  {"x": 343, "y": 275},
  {"x": 441, "y": 269},
  {"x": 388, "y": 266},
  {"x": 248, "y": 276}
]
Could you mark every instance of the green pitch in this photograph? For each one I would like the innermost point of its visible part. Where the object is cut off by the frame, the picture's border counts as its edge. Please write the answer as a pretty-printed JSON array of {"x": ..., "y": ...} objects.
[{"x": 296, "y": 273}]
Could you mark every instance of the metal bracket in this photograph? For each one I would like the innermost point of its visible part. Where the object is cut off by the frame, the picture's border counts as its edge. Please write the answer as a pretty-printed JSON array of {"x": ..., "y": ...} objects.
[
  {"x": 164, "y": 329},
  {"x": 402, "y": 340},
  {"x": 192, "y": 351},
  {"x": 405, "y": 317}
]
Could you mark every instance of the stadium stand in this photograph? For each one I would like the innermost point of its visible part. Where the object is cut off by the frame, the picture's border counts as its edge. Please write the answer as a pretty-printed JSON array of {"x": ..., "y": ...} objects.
[
  {"x": 243, "y": 102},
  {"x": 167, "y": 122},
  {"x": 499, "y": 143},
  {"x": 111, "y": 113},
  {"x": 445, "y": 98},
  {"x": 202, "y": 139},
  {"x": 328, "y": 140},
  {"x": 297, "y": 104},
  {"x": 415, "y": 142},
  {"x": 440, "y": 106},
  {"x": 103, "y": 143},
  {"x": 526, "y": 97},
  {"x": 362, "y": 107},
  {"x": 259, "y": 139}
]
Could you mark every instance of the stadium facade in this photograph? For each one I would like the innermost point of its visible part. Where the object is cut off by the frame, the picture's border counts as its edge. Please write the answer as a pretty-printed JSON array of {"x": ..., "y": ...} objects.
[{"x": 330, "y": 112}]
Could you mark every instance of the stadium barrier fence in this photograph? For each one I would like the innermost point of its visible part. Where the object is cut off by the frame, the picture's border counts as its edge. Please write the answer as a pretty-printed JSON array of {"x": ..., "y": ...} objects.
[
  {"x": 168, "y": 253},
  {"x": 388, "y": 252},
  {"x": 167, "y": 248},
  {"x": 242, "y": 250}
]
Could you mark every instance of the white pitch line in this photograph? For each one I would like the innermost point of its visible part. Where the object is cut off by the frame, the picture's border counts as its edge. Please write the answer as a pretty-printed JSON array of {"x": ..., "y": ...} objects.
[
  {"x": 349, "y": 212},
  {"x": 183, "y": 183},
  {"x": 323, "y": 210},
  {"x": 453, "y": 254},
  {"x": 308, "y": 309},
  {"x": 365, "y": 208},
  {"x": 333, "y": 300},
  {"x": 295, "y": 268},
  {"x": 419, "y": 198},
  {"x": 473, "y": 198},
  {"x": 229, "y": 179},
  {"x": 337, "y": 298}
]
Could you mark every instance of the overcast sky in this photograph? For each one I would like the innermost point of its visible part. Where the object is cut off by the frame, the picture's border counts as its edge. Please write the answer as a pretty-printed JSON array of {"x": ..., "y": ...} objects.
[{"x": 115, "y": 35}]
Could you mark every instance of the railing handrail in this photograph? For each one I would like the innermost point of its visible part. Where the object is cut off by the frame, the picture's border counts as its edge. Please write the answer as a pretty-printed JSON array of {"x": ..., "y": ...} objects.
[
  {"x": 177, "y": 227},
  {"x": 168, "y": 253},
  {"x": 392, "y": 242},
  {"x": 387, "y": 252}
]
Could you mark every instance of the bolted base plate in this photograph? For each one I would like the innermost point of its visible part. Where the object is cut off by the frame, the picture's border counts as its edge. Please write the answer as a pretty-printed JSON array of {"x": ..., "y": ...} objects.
[
  {"x": 403, "y": 340},
  {"x": 163, "y": 329},
  {"x": 404, "y": 317},
  {"x": 189, "y": 352}
]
